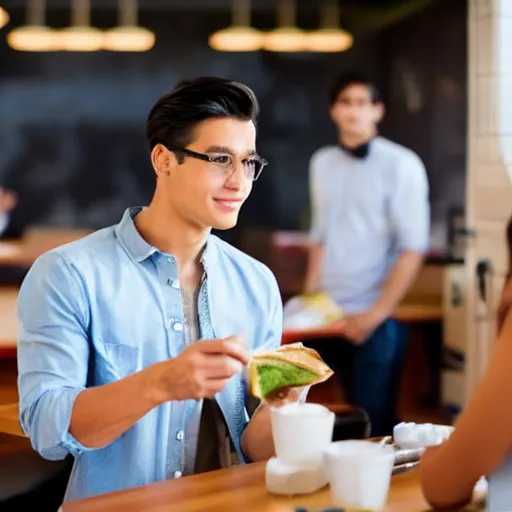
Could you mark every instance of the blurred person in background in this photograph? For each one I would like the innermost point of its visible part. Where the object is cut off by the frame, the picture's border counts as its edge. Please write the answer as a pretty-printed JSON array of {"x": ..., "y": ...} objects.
[
  {"x": 370, "y": 231},
  {"x": 8, "y": 202},
  {"x": 133, "y": 340}
]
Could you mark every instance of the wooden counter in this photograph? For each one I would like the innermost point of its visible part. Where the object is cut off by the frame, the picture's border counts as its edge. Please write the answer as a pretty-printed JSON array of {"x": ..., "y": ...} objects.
[
  {"x": 35, "y": 242},
  {"x": 407, "y": 313},
  {"x": 8, "y": 322},
  {"x": 234, "y": 490},
  {"x": 9, "y": 420}
]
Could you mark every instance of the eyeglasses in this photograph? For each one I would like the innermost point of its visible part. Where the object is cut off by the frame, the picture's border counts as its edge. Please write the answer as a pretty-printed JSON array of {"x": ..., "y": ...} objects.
[{"x": 253, "y": 165}]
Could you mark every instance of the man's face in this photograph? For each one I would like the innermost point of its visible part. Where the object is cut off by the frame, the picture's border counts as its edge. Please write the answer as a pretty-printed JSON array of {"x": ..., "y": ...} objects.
[
  {"x": 209, "y": 194},
  {"x": 354, "y": 112}
]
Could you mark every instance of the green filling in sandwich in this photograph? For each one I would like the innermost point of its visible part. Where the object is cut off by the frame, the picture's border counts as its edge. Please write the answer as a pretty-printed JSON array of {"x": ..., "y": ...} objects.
[{"x": 281, "y": 374}]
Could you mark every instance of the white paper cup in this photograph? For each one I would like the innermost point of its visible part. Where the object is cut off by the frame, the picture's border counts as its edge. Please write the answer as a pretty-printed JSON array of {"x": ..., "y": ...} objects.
[
  {"x": 301, "y": 432},
  {"x": 359, "y": 474}
]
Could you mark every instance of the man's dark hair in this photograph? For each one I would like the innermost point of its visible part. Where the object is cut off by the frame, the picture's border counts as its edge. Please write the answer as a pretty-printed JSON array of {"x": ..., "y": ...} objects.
[
  {"x": 173, "y": 118},
  {"x": 353, "y": 78}
]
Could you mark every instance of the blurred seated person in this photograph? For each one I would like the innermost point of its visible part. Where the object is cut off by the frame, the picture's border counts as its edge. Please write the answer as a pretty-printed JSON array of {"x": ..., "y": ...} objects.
[
  {"x": 9, "y": 227},
  {"x": 483, "y": 435}
]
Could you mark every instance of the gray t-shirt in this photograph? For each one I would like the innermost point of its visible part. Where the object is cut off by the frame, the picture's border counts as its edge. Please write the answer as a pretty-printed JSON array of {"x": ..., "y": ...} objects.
[{"x": 207, "y": 443}]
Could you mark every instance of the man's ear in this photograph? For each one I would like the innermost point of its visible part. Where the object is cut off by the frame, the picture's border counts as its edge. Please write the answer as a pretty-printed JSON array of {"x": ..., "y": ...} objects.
[
  {"x": 163, "y": 160},
  {"x": 380, "y": 110}
]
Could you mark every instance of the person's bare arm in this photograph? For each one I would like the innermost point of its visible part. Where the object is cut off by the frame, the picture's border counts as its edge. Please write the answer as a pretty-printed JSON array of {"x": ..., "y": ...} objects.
[
  {"x": 101, "y": 414},
  {"x": 409, "y": 211},
  {"x": 257, "y": 443},
  {"x": 317, "y": 232},
  {"x": 483, "y": 434},
  {"x": 314, "y": 269},
  {"x": 357, "y": 328},
  {"x": 400, "y": 279}
]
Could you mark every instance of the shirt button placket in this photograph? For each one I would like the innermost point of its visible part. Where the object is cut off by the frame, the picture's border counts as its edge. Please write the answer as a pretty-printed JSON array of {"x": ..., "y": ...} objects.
[{"x": 175, "y": 326}]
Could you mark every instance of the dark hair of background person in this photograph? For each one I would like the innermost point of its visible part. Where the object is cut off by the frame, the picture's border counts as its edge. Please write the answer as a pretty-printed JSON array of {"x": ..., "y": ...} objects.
[
  {"x": 353, "y": 78},
  {"x": 173, "y": 118}
]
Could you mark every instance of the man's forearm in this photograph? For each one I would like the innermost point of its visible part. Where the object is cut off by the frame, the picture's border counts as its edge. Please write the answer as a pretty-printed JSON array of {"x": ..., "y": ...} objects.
[
  {"x": 314, "y": 269},
  {"x": 257, "y": 442},
  {"x": 102, "y": 414},
  {"x": 400, "y": 279}
]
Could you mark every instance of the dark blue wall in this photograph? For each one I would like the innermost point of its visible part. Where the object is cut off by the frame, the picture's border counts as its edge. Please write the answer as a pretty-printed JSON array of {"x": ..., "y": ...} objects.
[{"x": 72, "y": 125}]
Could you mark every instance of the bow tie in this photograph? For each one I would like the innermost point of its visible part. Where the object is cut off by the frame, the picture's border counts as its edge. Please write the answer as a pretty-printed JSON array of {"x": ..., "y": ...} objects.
[{"x": 360, "y": 151}]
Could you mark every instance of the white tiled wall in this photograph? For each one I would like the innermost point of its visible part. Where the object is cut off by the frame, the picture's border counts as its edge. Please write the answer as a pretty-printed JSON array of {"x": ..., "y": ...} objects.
[{"x": 489, "y": 189}]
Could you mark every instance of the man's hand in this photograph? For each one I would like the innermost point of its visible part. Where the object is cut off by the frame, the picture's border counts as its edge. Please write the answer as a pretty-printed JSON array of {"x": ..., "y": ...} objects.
[
  {"x": 284, "y": 396},
  {"x": 201, "y": 370},
  {"x": 358, "y": 328}
]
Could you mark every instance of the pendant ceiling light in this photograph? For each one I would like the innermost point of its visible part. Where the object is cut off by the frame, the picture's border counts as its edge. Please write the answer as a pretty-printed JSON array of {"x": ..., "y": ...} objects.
[
  {"x": 80, "y": 36},
  {"x": 4, "y": 17},
  {"x": 240, "y": 37},
  {"x": 330, "y": 37},
  {"x": 35, "y": 36},
  {"x": 128, "y": 36},
  {"x": 287, "y": 37}
]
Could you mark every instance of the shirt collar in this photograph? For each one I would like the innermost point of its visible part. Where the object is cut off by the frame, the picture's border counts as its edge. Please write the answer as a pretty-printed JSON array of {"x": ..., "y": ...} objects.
[
  {"x": 137, "y": 248},
  {"x": 360, "y": 151}
]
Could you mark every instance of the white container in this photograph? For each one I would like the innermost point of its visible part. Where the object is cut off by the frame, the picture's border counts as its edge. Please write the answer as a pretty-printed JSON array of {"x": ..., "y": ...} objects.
[
  {"x": 301, "y": 432},
  {"x": 359, "y": 474},
  {"x": 420, "y": 435},
  {"x": 291, "y": 480}
]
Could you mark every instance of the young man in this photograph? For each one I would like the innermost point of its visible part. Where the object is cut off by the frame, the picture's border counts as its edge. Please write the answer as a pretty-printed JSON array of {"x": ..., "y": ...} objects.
[
  {"x": 370, "y": 231},
  {"x": 110, "y": 367}
]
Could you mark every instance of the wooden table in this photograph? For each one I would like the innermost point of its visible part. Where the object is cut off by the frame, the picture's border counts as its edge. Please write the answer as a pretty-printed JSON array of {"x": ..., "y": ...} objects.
[
  {"x": 35, "y": 242},
  {"x": 408, "y": 313},
  {"x": 8, "y": 322},
  {"x": 9, "y": 420},
  {"x": 234, "y": 490}
]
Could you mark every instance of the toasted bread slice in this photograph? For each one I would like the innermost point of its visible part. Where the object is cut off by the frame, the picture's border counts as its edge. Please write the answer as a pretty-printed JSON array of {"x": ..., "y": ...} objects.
[{"x": 288, "y": 366}]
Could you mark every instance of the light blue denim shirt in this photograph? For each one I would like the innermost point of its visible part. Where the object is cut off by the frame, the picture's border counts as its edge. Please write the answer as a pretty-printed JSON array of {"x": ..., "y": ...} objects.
[{"x": 99, "y": 309}]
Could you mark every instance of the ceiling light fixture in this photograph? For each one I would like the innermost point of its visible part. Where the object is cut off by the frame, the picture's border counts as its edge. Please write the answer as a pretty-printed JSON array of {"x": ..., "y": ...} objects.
[
  {"x": 128, "y": 36},
  {"x": 4, "y": 17},
  {"x": 330, "y": 37},
  {"x": 35, "y": 36},
  {"x": 287, "y": 37},
  {"x": 80, "y": 36},
  {"x": 240, "y": 37}
]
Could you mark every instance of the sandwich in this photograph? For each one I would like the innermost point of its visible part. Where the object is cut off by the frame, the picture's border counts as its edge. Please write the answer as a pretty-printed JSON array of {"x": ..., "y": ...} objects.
[{"x": 292, "y": 365}]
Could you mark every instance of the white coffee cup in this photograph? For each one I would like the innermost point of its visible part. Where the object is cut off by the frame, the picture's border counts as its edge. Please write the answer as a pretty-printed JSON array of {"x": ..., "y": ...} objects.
[
  {"x": 301, "y": 432},
  {"x": 359, "y": 474}
]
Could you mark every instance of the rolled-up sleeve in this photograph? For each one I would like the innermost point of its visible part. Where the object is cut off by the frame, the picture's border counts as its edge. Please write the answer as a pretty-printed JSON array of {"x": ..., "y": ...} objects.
[
  {"x": 317, "y": 204},
  {"x": 53, "y": 354},
  {"x": 410, "y": 209}
]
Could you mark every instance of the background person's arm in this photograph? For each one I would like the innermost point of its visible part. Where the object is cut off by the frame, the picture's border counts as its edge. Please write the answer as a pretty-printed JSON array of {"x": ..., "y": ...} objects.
[
  {"x": 483, "y": 434},
  {"x": 410, "y": 216},
  {"x": 317, "y": 232}
]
